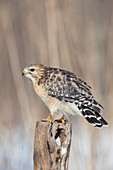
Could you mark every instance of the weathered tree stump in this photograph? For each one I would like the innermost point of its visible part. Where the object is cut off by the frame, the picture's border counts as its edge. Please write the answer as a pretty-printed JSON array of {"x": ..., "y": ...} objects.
[{"x": 52, "y": 145}]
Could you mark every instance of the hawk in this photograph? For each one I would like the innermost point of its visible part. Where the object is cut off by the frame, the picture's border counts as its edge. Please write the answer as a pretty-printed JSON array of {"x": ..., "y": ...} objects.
[{"x": 64, "y": 94}]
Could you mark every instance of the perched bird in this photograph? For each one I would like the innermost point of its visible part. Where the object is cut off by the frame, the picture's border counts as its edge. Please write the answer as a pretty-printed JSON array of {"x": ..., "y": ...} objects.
[{"x": 64, "y": 94}]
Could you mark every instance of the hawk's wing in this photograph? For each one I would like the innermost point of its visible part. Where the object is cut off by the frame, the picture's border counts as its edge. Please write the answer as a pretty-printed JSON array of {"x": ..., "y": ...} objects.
[{"x": 65, "y": 86}]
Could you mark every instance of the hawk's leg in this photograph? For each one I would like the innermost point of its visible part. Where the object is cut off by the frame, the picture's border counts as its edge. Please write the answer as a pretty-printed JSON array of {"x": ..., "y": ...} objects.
[
  {"x": 61, "y": 120},
  {"x": 48, "y": 119}
]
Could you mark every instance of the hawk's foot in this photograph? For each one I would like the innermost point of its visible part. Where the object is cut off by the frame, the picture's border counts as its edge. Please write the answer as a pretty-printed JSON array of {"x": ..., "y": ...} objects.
[
  {"x": 61, "y": 120},
  {"x": 48, "y": 119}
]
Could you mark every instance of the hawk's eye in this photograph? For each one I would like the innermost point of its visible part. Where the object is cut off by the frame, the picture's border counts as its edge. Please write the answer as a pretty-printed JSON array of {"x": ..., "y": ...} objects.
[{"x": 32, "y": 69}]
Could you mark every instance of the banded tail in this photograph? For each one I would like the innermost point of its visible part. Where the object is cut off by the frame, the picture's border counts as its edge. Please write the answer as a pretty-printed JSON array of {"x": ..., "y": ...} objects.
[{"x": 92, "y": 115}]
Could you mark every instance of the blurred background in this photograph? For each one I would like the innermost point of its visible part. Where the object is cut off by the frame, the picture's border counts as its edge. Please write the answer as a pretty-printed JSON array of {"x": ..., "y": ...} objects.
[{"x": 75, "y": 35}]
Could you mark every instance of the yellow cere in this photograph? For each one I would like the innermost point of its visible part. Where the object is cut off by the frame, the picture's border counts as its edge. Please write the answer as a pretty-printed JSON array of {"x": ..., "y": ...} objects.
[{"x": 24, "y": 71}]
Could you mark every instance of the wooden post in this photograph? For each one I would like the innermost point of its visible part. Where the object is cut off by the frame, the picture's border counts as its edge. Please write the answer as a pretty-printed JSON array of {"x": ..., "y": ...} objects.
[{"x": 52, "y": 145}]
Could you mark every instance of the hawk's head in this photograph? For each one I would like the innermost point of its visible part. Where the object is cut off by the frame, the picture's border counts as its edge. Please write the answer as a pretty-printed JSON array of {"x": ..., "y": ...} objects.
[{"x": 33, "y": 72}]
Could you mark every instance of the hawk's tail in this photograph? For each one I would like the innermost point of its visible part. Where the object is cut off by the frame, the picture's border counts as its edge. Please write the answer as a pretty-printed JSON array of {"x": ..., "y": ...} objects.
[{"x": 92, "y": 115}]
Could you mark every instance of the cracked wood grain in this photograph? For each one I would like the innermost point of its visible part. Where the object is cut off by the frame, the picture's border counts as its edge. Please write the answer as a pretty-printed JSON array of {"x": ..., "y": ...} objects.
[{"x": 52, "y": 145}]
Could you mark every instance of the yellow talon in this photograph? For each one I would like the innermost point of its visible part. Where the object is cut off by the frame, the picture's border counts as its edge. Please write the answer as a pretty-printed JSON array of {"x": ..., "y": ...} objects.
[
  {"x": 61, "y": 120},
  {"x": 48, "y": 119}
]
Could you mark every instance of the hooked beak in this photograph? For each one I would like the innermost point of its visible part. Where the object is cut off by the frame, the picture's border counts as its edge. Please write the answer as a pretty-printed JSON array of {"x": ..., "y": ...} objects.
[{"x": 25, "y": 72}]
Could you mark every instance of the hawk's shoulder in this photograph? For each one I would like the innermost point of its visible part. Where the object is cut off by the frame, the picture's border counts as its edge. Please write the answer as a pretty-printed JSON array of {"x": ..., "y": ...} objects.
[{"x": 63, "y": 84}]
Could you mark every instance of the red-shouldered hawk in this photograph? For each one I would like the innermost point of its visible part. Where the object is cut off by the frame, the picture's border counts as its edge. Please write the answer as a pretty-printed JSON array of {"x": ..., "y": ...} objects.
[{"x": 64, "y": 94}]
